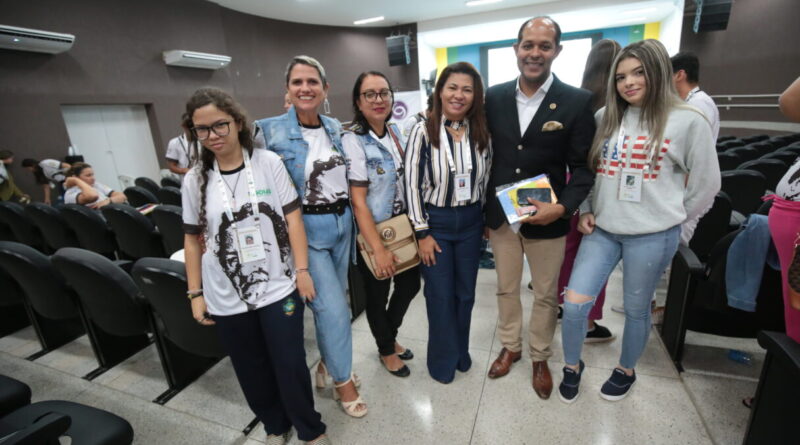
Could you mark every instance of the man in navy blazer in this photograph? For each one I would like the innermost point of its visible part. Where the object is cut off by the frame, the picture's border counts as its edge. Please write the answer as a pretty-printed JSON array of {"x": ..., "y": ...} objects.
[{"x": 538, "y": 125}]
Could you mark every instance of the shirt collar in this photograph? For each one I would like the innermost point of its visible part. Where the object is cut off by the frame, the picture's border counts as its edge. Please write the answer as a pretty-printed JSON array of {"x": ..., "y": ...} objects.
[{"x": 544, "y": 88}]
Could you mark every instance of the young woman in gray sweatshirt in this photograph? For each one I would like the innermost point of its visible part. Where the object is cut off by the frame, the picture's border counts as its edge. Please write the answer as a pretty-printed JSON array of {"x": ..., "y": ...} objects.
[{"x": 656, "y": 168}]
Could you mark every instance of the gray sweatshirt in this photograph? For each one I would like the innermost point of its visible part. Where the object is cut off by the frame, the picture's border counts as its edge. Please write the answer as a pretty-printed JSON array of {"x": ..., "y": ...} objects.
[{"x": 668, "y": 198}]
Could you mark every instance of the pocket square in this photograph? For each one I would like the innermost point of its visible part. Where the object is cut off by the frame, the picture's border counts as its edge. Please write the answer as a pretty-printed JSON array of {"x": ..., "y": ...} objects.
[{"x": 552, "y": 126}]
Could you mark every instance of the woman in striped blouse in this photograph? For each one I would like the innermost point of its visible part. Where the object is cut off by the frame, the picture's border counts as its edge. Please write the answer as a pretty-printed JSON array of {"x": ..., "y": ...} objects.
[{"x": 446, "y": 171}]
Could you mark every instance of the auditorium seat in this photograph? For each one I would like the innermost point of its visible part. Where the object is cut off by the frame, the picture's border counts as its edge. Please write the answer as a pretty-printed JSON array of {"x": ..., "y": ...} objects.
[
  {"x": 791, "y": 149},
  {"x": 113, "y": 307},
  {"x": 136, "y": 235},
  {"x": 745, "y": 188},
  {"x": 763, "y": 147},
  {"x": 147, "y": 184},
  {"x": 170, "y": 182},
  {"x": 186, "y": 349},
  {"x": 91, "y": 228},
  {"x": 755, "y": 138},
  {"x": 13, "y": 313},
  {"x": 728, "y": 161},
  {"x": 22, "y": 226},
  {"x": 52, "y": 225},
  {"x": 13, "y": 395},
  {"x": 53, "y": 311},
  {"x": 772, "y": 169},
  {"x": 712, "y": 226},
  {"x": 745, "y": 153},
  {"x": 724, "y": 138},
  {"x": 169, "y": 220},
  {"x": 57, "y": 421},
  {"x": 139, "y": 196},
  {"x": 170, "y": 195},
  {"x": 731, "y": 144},
  {"x": 788, "y": 157}
]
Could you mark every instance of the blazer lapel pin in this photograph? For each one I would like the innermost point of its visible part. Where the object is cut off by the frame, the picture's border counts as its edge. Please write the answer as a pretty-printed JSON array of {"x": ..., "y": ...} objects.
[{"x": 553, "y": 106}]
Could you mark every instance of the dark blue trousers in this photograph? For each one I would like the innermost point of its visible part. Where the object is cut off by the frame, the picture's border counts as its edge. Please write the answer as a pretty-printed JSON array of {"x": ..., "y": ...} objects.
[
  {"x": 266, "y": 349},
  {"x": 450, "y": 287}
]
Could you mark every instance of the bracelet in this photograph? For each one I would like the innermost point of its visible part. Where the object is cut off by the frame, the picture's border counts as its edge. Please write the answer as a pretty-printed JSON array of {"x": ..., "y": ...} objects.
[
  {"x": 192, "y": 294},
  {"x": 297, "y": 271}
]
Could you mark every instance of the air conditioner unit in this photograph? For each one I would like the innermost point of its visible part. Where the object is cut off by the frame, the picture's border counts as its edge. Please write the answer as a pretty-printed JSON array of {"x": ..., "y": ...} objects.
[
  {"x": 36, "y": 40},
  {"x": 192, "y": 59}
]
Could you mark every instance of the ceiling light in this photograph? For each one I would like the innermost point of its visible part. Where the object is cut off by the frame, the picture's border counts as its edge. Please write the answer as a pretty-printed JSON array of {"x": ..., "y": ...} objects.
[
  {"x": 370, "y": 20},
  {"x": 640, "y": 11},
  {"x": 481, "y": 2}
]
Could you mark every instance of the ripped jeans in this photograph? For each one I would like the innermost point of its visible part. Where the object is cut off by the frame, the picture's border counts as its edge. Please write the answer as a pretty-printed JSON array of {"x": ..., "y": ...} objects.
[{"x": 645, "y": 257}]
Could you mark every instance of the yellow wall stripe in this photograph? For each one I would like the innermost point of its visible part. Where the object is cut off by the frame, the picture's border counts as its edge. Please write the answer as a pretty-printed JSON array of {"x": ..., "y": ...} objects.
[
  {"x": 441, "y": 60},
  {"x": 652, "y": 30}
]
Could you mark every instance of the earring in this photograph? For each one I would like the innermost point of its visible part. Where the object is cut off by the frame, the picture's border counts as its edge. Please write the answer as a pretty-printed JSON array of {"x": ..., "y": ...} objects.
[{"x": 326, "y": 106}]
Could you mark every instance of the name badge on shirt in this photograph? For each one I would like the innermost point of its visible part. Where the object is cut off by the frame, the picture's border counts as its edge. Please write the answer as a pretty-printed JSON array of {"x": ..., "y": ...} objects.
[
  {"x": 251, "y": 247},
  {"x": 463, "y": 187},
  {"x": 630, "y": 185}
]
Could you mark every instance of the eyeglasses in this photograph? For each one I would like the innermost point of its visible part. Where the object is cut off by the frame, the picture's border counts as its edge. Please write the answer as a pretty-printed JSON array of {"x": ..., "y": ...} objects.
[
  {"x": 372, "y": 96},
  {"x": 221, "y": 129}
]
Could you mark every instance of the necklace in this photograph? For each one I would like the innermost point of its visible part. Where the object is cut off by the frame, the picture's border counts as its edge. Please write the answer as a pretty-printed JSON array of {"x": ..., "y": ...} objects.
[{"x": 232, "y": 189}]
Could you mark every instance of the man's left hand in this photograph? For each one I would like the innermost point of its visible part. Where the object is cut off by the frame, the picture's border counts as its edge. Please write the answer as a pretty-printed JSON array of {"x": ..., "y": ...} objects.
[{"x": 546, "y": 213}]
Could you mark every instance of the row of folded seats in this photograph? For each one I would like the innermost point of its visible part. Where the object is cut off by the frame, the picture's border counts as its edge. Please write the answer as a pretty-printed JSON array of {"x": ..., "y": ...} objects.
[
  {"x": 146, "y": 191},
  {"x": 120, "y": 305},
  {"x": 697, "y": 294},
  {"x": 115, "y": 231}
]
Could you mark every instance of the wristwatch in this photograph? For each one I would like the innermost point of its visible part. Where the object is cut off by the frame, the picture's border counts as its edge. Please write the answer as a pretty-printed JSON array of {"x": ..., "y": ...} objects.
[{"x": 420, "y": 234}]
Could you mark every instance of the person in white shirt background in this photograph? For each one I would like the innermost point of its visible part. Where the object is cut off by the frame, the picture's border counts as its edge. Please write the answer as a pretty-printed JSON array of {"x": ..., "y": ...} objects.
[{"x": 49, "y": 173}]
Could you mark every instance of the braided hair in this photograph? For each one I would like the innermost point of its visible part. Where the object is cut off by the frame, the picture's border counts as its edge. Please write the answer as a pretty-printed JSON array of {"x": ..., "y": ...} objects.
[{"x": 225, "y": 103}]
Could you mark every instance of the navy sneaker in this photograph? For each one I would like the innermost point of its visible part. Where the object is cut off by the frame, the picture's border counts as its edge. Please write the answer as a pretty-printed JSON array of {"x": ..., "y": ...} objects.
[
  {"x": 618, "y": 385},
  {"x": 569, "y": 388}
]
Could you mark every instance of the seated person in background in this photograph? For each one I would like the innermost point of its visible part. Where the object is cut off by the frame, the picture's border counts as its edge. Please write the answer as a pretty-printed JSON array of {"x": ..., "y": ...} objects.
[
  {"x": 83, "y": 189},
  {"x": 49, "y": 173},
  {"x": 8, "y": 190}
]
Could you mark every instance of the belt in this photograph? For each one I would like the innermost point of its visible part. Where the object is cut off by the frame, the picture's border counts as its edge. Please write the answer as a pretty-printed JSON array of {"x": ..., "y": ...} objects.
[{"x": 337, "y": 207}]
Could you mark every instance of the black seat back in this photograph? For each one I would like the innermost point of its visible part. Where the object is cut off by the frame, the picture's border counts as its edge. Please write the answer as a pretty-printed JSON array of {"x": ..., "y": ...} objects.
[
  {"x": 91, "y": 228},
  {"x": 139, "y": 196},
  {"x": 787, "y": 157},
  {"x": 163, "y": 283},
  {"x": 712, "y": 226},
  {"x": 731, "y": 144},
  {"x": 762, "y": 147},
  {"x": 136, "y": 234},
  {"x": 25, "y": 231},
  {"x": 54, "y": 228},
  {"x": 147, "y": 184},
  {"x": 44, "y": 287},
  {"x": 170, "y": 195},
  {"x": 745, "y": 188},
  {"x": 795, "y": 149},
  {"x": 109, "y": 296},
  {"x": 169, "y": 220},
  {"x": 755, "y": 138},
  {"x": 728, "y": 161},
  {"x": 745, "y": 153},
  {"x": 772, "y": 169},
  {"x": 170, "y": 182}
]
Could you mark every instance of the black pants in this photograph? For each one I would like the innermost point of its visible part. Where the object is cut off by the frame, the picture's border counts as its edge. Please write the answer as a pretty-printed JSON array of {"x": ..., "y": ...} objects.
[
  {"x": 266, "y": 349},
  {"x": 385, "y": 320}
]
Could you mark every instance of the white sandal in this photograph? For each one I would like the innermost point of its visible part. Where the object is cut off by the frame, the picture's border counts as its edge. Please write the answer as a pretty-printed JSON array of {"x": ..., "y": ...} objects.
[
  {"x": 322, "y": 440},
  {"x": 321, "y": 378},
  {"x": 279, "y": 439},
  {"x": 350, "y": 407}
]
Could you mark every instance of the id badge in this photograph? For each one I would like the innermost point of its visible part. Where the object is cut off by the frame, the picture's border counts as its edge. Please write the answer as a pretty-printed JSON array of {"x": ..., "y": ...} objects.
[
  {"x": 251, "y": 247},
  {"x": 463, "y": 187},
  {"x": 630, "y": 185}
]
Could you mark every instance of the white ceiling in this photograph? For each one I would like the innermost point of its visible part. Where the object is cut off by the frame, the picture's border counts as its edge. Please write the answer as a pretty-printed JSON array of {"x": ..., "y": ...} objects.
[{"x": 345, "y": 12}]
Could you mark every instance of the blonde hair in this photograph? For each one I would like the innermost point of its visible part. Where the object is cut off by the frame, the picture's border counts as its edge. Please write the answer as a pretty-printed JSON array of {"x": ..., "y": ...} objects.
[{"x": 660, "y": 98}]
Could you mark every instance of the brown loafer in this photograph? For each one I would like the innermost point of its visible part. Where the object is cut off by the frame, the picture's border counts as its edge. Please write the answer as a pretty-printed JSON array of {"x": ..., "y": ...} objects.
[
  {"x": 502, "y": 365},
  {"x": 542, "y": 381}
]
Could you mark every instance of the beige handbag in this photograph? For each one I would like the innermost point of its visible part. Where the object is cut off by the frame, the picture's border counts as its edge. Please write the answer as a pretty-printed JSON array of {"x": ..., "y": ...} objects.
[{"x": 397, "y": 236}]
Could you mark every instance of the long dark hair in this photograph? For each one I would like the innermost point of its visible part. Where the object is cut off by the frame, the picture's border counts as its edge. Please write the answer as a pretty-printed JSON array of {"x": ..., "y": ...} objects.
[
  {"x": 225, "y": 103},
  {"x": 598, "y": 70},
  {"x": 479, "y": 133},
  {"x": 38, "y": 172},
  {"x": 359, "y": 124}
]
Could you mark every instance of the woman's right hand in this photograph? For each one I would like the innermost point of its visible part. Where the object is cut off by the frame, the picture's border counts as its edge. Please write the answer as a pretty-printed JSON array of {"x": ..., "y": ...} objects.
[
  {"x": 200, "y": 311},
  {"x": 428, "y": 248},
  {"x": 305, "y": 286},
  {"x": 70, "y": 182},
  {"x": 586, "y": 223},
  {"x": 385, "y": 262}
]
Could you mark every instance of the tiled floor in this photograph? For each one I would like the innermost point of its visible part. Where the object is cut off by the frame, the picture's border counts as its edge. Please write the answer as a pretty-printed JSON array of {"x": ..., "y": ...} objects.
[{"x": 700, "y": 406}]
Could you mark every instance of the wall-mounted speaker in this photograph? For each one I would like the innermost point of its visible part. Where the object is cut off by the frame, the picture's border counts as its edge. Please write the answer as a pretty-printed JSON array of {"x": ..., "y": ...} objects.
[
  {"x": 397, "y": 48},
  {"x": 712, "y": 15}
]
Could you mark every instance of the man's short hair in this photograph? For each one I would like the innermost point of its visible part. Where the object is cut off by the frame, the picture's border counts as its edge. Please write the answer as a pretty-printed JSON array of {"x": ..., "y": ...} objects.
[
  {"x": 558, "y": 28},
  {"x": 688, "y": 62},
  {"x": 5, "y": 154}
]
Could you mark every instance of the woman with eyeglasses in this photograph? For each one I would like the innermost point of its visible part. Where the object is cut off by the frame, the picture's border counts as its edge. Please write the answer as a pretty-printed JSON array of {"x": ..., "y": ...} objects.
[
  {"x": 247, "y": 264},
  {"x": 311, "y": 148},
  {"x": 448, "y": 159},
  {"x": 375, "y": 154}
]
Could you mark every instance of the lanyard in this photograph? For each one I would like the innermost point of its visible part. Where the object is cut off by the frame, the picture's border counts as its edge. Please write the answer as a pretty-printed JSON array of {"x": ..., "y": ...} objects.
[
  {"x": 251, "y": 189},
  {"x": 444, "y": 144},
  {"x": 629, "y": 152},
  {"x": 694, "y": 91}
]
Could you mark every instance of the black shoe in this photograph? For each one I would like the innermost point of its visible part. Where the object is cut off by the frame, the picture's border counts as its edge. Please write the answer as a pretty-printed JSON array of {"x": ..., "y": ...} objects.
[
  {"x": 598, "y": 335},
  {"x": 402, "y": 372},
  {"x": 530, "y": 286},
  {"x": 569, "y": 389},
  {"x": 406, "y": 355},
  {"x": 560, "y": 312},
  {"x": 618, "y": 385}
]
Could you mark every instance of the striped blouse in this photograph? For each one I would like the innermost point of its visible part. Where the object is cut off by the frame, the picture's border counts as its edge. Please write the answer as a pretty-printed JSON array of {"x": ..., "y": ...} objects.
[{"x": 429, "y": 179}]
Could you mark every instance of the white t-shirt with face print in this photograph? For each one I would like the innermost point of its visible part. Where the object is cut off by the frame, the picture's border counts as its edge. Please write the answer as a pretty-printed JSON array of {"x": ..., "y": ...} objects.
[
  {"x": 229, "y": 286},
  {"x": 326, "y": 172}
]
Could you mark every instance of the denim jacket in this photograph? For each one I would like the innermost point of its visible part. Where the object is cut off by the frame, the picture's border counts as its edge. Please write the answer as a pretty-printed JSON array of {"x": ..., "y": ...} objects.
[
  {"x": 384, "y": 176},
  {"x": 284, "y": 136}
]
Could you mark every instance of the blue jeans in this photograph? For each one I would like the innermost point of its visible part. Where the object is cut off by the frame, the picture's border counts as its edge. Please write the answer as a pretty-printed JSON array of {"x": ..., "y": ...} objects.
[
  {"x": 450, "y": 287},
  {"x": 645, "y": 258},
  {"x": 329, "y": 247}
]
